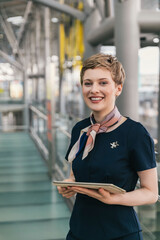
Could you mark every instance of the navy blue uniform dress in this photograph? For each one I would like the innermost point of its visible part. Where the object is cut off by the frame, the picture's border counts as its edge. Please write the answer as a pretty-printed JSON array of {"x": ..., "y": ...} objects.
[{"x": 134, "y": 151}]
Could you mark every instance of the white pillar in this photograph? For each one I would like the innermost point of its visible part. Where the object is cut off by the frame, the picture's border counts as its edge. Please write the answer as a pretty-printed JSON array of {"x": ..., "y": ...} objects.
[
  {"x": 159, "y": 109},
  {"x": 127, "y": 45}
]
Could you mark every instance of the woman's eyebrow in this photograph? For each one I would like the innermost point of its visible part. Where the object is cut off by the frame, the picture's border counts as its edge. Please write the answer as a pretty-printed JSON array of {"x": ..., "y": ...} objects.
[
  {"x": 88, "y": 79},
  {"x": 103, "y": 78}
]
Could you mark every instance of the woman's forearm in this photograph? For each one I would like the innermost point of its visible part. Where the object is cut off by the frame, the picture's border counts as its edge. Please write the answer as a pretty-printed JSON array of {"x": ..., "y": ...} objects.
[{"x": 137, "y": 197}]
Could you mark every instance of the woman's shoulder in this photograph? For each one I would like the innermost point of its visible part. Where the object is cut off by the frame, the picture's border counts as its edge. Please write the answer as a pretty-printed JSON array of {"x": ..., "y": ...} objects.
[
  {"x": 82, "y": 124},
  {"x": 137, "y": 131},
  {"x": 136, "y": 126}
]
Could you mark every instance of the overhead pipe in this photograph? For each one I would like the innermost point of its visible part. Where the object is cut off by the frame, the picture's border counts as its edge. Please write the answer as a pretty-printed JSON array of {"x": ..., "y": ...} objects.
[
  {"x": 102, "y": 32},
  {"x": 87, "y": 8},
  {"x": 100, "y": 6},
  {"x": 62, "y": 8},
  {"x": 149, "y": 22}
]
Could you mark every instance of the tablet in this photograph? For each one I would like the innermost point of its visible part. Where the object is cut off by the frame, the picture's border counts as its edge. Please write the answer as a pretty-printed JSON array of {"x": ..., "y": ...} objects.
[{"x": 107, "y": 186}]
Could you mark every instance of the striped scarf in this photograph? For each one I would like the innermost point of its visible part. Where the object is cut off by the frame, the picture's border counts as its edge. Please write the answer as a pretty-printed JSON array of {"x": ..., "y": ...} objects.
[{"x": 87, "y": 136}]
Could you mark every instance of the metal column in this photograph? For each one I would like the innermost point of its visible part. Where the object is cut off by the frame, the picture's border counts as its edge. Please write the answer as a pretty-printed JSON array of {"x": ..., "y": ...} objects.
[
  {"x": 49, "y": 94},
  {"x": 38, "y": 37},
  {"x": 25, "y": 99},
  {"x": 109, "y": 8},
  {"x": 158, "y": 148},
  {"x": 127, "y": 45},
  {"x": 89, "y": 24}
]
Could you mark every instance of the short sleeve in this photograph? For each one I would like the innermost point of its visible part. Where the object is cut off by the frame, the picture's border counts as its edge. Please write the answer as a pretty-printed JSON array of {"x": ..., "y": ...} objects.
[{"x": 142, "y": 154}]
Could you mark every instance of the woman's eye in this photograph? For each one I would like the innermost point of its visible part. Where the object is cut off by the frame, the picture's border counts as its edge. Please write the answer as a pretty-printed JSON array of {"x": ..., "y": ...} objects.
[
  {"x": 87, "y": 84},
  {"x": 103, "y": 83}
]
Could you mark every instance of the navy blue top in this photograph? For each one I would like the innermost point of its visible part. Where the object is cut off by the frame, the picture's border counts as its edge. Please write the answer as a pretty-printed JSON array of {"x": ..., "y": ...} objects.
[{"x": 134, "y": 151}]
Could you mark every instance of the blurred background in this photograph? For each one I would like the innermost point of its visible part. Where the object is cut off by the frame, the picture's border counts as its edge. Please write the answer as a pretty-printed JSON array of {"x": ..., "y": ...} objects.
[{"x": 42, "y": 46}]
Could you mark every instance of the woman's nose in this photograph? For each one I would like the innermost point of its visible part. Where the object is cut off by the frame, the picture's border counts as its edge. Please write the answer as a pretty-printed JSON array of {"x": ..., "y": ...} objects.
[{"x": 94, "y": 88}]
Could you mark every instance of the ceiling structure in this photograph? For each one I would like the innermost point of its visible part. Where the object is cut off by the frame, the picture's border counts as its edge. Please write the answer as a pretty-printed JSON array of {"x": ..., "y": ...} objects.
[
  {"x": 11, "y": 19},
  {"x": 13, "y": 23}
]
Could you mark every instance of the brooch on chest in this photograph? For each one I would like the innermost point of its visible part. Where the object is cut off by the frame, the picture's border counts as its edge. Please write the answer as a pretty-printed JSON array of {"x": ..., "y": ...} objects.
[{"x": 114, "y": 144}]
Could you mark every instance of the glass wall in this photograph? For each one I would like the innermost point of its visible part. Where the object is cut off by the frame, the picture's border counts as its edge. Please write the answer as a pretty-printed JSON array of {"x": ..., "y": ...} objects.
[{"x": 149, "y": 88}]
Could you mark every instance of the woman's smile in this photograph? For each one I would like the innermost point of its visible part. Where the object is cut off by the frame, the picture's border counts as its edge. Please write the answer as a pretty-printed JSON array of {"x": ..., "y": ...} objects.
[{"x": 96, "y": 99}]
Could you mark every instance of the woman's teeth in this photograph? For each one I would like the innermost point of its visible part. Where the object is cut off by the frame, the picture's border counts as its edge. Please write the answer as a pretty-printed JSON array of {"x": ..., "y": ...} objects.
[{"x": 96, "y": 99}]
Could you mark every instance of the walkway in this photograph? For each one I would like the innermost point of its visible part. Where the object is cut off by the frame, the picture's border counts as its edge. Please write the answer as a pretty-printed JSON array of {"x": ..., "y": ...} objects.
[{"x": 30, "y": 207}]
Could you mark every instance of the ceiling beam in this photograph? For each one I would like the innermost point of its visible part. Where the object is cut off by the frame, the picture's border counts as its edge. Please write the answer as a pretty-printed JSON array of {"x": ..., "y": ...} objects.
[
  {"x": 12, "y": 3},
  {"x": 11, "y": 60},
  {"x": 24, "y": 24},
  {"x": 63, "y": 8},
  {"x": 9, "y": 33}
]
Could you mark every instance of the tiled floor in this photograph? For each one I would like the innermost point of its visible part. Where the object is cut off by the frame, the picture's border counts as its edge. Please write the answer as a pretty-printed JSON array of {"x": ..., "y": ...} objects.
[{"x": 30, "y": 207}]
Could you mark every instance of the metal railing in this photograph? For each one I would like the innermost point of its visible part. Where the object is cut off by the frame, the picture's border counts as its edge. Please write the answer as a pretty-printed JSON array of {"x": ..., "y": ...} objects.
[{"x": 38, "y": 129}]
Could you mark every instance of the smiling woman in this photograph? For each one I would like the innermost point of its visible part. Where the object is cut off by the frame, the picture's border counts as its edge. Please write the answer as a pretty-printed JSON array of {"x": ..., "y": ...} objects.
[
  {"x": 108, "y": 148},
  {"x": 100, "y": 91}
]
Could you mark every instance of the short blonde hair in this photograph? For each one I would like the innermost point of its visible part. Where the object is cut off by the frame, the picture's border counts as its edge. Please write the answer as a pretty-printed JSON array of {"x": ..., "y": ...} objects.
[{"x": 106, "y": 61}]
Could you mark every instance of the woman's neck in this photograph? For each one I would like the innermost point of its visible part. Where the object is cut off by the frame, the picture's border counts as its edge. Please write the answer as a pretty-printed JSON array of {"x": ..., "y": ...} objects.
[{"x": 99, "y": 117}]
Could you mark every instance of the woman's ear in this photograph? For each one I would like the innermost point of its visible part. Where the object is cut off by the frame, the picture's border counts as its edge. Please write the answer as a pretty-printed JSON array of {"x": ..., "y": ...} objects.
[{"x": 119, "y": 89}]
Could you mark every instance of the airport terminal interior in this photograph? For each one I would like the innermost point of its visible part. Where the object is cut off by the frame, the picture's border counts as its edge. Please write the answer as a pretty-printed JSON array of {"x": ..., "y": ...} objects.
[{"x": 42, "y": 46}]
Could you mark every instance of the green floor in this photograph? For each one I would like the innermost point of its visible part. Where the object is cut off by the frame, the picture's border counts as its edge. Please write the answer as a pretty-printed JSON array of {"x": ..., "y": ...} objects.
[{"x": 30, "y": 207}]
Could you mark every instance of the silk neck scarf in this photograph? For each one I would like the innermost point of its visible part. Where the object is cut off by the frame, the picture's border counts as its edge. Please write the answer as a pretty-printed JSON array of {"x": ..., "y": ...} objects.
[{"x": 87, "y": 136}]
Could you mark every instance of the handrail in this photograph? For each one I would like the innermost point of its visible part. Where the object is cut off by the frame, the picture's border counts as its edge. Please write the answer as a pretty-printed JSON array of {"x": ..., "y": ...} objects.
[
  {"x": 38, "y": 112},
  {"x": 64, "y": 131},
  {"x": 43, "y": 149},
  {"x": 40, "y": 143}
]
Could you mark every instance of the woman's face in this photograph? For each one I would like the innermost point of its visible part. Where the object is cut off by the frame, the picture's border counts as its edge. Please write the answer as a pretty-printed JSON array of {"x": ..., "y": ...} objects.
[{"x": 100, "y": 91}]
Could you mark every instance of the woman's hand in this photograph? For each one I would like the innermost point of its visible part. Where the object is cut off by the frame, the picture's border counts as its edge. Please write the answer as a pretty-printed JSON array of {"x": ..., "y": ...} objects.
[
  {"x": 100, "y": 194},
  {"x": 66, "y": 192}
]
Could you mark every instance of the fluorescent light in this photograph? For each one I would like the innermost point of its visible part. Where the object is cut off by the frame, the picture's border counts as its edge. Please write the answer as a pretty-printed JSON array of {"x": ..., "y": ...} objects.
[
  {"x": 156, "y": 40},
  {"x": 55, "y": 20},
  {"x": 18, "y": 20}
]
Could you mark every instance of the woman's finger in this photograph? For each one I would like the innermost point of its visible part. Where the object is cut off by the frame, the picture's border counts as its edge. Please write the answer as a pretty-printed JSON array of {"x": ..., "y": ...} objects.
[
  {"x": 68, "y": 194},
  {"x": 104, "y": 193},
  {"x": 86, "y": 191}
]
